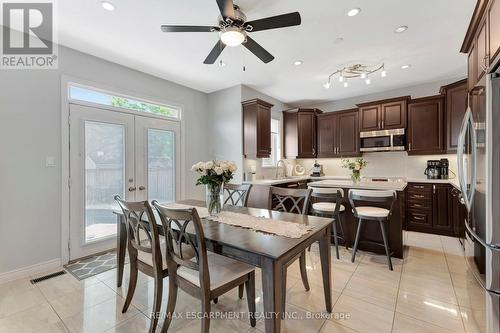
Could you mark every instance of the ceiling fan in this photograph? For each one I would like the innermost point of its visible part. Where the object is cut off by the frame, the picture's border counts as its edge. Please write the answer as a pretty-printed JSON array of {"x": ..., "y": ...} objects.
[{"x": 233, "y": 29}]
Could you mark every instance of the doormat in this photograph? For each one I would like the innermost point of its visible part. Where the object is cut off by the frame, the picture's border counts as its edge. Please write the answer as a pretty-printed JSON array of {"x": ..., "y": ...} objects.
[{"x": 85, "y": 268}]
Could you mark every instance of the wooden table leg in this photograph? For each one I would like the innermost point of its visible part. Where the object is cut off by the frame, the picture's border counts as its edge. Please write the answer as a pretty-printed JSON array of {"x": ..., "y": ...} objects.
[
  {"x": 121, "y": 244},
  {"x": 325, "y": 255},
  {"x": 272, "y": 289}
]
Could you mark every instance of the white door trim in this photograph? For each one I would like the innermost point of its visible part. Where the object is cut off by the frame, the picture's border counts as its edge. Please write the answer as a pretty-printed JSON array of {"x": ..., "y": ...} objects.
[{"x": 66, "y": 80}]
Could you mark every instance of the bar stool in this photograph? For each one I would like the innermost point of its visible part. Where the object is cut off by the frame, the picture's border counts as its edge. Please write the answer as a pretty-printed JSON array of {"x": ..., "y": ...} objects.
[
  {"x": 372, "y": 213},
  {"x": 330, "y": 205}
]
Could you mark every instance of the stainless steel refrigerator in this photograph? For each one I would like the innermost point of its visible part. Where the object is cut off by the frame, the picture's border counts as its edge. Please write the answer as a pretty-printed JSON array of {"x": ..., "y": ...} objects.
[{"x": 479, "y": 176}]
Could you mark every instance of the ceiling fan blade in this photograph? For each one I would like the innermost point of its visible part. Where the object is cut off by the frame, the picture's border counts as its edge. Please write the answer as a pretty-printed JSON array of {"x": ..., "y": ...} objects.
[
  {"x": 188, "y": 28},
  {"x": 274, "y": 22},
  {"x": 226, "y": 8},
  {"x": 215, "y": 53},
  {"x": 258, "y": 50}
]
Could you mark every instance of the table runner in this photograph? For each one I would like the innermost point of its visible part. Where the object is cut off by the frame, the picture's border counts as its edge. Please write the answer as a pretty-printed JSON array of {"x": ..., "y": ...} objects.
[{"x": 267, "y": 225}]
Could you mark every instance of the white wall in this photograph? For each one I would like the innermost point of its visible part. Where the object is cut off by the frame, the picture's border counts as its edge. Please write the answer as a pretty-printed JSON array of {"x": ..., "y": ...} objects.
[
  {"x": 421, "y": 90},
  {"x": 30, "y": 130}
]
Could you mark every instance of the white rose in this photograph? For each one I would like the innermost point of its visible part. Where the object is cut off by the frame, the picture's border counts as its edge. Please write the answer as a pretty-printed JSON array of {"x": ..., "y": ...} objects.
[
  {"x": 209, "y": 165},
  {"x": 232, "y": 167},
  {"x": 224, "y": 165},
  {"x": 218, "y": 170},
  {"x": 194, "y": 167},
  {"x": 358, "y": 167}
]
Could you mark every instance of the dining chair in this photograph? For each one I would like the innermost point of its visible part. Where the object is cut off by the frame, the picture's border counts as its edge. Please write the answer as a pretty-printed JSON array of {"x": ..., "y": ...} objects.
[
  {"x": 372, "y": 205},
  {"x": 146, "y": 249},
  {"x": 236, "y": 195},
  {"x": 327, "y": 202},
  {"x": 291, "y": 201},
  {"x": 206, "y": 275}
]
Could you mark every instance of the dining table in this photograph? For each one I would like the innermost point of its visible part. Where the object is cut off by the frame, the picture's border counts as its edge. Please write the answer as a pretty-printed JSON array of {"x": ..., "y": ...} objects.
[{"x": 271, "y": 253}]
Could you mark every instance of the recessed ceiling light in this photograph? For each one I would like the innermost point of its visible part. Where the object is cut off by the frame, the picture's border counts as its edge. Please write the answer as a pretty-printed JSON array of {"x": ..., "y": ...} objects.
[
  {"x": 338, "y": 40},
  {"x": 108, "y": 5},
  {"x": 298, "y": 62},
  {"x": 401, "y": 29},
  {"x": 354, "y": 12},
  {"x": 405, "y": 66}
]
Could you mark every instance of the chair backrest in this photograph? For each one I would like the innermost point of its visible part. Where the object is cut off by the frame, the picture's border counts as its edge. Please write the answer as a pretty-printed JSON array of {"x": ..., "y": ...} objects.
[
  {"x": 328, "y": 194},
  {"x": 290, "y": 200},
  {"x": 184, "y": 237},
  {"x": 387, "y": 198},
  {"x": 237, "y": 195},
  {"x": 142, "y": 232}
]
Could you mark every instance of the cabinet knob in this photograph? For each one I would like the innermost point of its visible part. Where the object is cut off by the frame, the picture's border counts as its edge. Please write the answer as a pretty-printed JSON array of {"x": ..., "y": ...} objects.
[{"x": 131, "y": 189}]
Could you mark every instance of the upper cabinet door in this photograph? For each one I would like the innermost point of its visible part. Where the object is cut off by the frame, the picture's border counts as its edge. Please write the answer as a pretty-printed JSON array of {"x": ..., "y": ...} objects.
[
  {"x": 481, "y": 47},
  {"x": 494, "y": 29},
  {"x": 369, "y": 118},
  {"x": 472, "y": 68},
  {"x": 263, "y": 131},
  {"x": 425, "y": 126},
  {"x": 256, "y": 128},
  {"x": 307, "y": 134},
  {"x": 456, "y": 105},
  {"x": 348, "y": 134},
  {"x": 327, "y": 124},
  {"x": 393, "y": 115}
]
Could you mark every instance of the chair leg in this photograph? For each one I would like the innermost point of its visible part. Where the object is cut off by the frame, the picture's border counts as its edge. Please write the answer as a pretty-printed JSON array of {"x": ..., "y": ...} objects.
[
  {"x": 356, "y": 242},
  {"x": 156, "y": 303},
  {"x": 250, "y": 286},
  {"x": 241, "y": 289},
  {"x": 133, "y": 281},
  {"x": 342, "y": 230},
  {"x": 303, "y": 270},
  {"x": 172, "y": 299},
  {"x": 216, "y": 300},
  {"x": 309, "y": 248},
  {"x": 205, "y": 311},
  {"x": 386, "y": 244},
  {"x": 335, "y": 239}
]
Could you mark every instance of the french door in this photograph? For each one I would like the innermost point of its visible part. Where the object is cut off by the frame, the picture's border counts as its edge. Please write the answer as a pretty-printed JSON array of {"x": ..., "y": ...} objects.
[{"x": 114, "y": 153}]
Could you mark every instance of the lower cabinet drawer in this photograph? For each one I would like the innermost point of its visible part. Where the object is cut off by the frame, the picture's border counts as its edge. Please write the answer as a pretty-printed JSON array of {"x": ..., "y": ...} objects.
[
  {"x": 421, "y": 218},
  {"x": 425, "y": 205},
  {"x": 419, "y": 196}
]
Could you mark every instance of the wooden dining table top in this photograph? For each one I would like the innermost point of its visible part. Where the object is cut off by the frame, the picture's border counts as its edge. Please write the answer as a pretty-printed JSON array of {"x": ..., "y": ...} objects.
[{"x": 264, "y": 244}]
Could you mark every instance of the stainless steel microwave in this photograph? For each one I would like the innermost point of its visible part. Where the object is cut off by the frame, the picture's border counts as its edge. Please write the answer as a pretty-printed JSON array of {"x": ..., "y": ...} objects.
[{"x": 385, "y": 140}]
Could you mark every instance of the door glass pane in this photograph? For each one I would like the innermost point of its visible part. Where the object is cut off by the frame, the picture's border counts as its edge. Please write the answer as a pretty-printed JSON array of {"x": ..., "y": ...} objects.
[
  {"x": 161, "y": 165},
  {"x": 104, "y": 177}
]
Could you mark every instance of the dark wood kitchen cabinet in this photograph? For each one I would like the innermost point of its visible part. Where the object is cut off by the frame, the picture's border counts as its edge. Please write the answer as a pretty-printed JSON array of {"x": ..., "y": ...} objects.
[
  {"x": 383, "y": 115},
  {"x": 338, "y": 134},
  {"x": 494, "y": 30},
  {"x": 456, "y": 105},
  {"x": 299, "y": 127},
  {"x": 457, "y": 213},
  {"x": 442, "y": 206},
  {"x": 426, "y": 126},
  {"x": 256, "y": 128}
]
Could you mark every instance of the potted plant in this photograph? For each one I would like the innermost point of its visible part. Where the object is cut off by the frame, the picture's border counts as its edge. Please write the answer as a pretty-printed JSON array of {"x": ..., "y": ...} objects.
[
  {"x": 214, "y": 174},
  {"x": 355, "y": 166}
]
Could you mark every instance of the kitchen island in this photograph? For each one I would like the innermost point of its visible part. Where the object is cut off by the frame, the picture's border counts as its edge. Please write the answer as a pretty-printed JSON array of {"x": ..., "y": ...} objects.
[{"x": 259, "y": 198}]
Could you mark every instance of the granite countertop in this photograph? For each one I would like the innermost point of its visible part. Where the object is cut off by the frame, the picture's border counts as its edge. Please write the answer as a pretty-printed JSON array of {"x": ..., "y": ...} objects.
[{"x": 363, "y": 184}]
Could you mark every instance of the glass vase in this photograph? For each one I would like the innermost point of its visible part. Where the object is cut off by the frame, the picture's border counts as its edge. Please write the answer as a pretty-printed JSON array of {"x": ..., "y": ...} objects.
[
  {"x": 214, "y": 198},
  {"x": 356, "y": 176}
]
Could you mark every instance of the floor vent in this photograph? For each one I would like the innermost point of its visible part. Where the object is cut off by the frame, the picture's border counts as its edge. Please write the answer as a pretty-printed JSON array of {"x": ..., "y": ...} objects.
[{"x": 46, "y": 277}]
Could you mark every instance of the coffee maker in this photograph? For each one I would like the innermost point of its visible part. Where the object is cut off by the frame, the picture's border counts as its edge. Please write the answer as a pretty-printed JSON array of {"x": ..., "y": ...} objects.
[
  {"x": 444, "y": 168},
  {"x": 317, "y": 170},
  {"x": 433, "y": 170}
]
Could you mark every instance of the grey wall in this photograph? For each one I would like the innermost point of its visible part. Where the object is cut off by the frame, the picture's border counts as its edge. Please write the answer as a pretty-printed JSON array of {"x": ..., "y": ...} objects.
[
  {"x": 421, "y": 90},
  {"x": 30, "y": 130}
]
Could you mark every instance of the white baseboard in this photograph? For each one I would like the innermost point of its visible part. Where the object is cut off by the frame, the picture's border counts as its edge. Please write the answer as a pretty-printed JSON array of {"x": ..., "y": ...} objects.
[{"x": 29, "y": 271}]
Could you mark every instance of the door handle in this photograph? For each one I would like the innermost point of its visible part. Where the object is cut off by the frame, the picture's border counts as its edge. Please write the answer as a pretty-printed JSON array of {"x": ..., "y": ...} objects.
[
  {"x": 142, "y": 188},
  {"x": 131, "y": 189}
]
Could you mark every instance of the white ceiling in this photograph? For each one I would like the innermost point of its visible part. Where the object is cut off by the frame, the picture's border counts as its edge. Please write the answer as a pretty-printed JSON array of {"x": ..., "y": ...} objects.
[{"x": 131, "y": 36}]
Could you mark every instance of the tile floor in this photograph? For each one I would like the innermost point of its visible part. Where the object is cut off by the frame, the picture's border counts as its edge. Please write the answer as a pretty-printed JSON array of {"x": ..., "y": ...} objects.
[{"x": 427, "y": 292}]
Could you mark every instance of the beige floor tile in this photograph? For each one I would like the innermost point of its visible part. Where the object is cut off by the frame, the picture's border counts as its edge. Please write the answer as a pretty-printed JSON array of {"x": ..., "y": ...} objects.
[
  {"x": 363, "y": 316},
  {"x": 406, "y": 324},
  {"x": 24, "y": 299},
  {"x": 16, "y": 287},
  {"x": 474, "y": 320},
  {"x": 430, "y": 310},
  {"x": 63, "y": 285},
  {"x": 100, "y": 317},
  {"x": 297, "y": 321},
  {"x": 383, "y": 294},
  {"x": 378, "y": 274},
  {"x": 137, "y": 324},
  {"x": 380, "y": 261},
  {"x": 75, "y": 302},
  {"x": 452, "y": 246},
  {"x": 456, "y": 264},
  {"x": 442, "y": 276},
  {"x": 39, "y": 319},
  {"x": 429, "y": 263},
  {"x": 330, "y": 327},
  {"x": 428, "y": 287},
  {"x": 230, "y": 302},
  {"x": 312, "y": 300}
]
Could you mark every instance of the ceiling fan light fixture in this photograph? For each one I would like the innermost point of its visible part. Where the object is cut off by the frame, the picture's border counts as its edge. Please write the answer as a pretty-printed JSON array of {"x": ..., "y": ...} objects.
[{"x": 232, "y": 36}]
